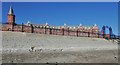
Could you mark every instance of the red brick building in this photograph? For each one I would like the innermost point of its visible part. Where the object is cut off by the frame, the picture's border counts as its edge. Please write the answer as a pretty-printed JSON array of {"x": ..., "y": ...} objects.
[{"x": 46, "y": 29}]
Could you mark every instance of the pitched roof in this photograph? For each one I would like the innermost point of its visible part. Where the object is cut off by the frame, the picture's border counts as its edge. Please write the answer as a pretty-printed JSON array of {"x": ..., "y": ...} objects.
[{"x": 10, "y": 10}]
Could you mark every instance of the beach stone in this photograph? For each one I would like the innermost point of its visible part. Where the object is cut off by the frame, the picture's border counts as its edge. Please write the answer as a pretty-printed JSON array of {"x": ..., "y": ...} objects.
[{"x": 53, "y": 48}]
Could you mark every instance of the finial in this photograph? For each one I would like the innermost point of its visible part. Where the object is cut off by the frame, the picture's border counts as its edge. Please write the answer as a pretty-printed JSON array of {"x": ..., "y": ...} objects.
[
  {"x": 95, "y": 25},
  {"x": 80, "y": 25},
  {"x": 28, "y": 22},
  {"x": 64, "y": 24},
  {"x": 46, "y": 23}
]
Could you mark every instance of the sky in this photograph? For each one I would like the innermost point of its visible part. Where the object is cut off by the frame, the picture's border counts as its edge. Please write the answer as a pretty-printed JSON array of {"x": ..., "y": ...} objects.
[{"x": 71, "y": 13}]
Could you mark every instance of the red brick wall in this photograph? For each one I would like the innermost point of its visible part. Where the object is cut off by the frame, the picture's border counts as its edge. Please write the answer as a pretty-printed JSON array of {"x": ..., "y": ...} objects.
[
  {"x": 28, "y": 29},
  {"x": 11, "y": 19}
]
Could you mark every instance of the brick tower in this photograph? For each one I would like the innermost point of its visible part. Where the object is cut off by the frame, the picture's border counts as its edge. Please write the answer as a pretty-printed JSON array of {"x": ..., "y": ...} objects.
[{"x": 11, "y": 19}]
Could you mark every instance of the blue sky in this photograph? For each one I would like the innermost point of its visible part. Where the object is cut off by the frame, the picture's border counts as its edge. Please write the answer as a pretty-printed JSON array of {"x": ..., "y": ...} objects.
[{"x": 71, "y": 13}]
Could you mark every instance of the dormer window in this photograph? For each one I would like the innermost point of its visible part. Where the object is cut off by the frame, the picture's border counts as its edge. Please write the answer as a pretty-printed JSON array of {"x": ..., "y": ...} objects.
[
  {"x": 28, "y": 23},
  {"x": 41, "y": 26}
]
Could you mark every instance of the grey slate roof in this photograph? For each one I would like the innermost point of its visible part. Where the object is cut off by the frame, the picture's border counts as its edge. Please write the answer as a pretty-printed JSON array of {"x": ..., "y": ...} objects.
[{"x": 10, "y": 10}]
